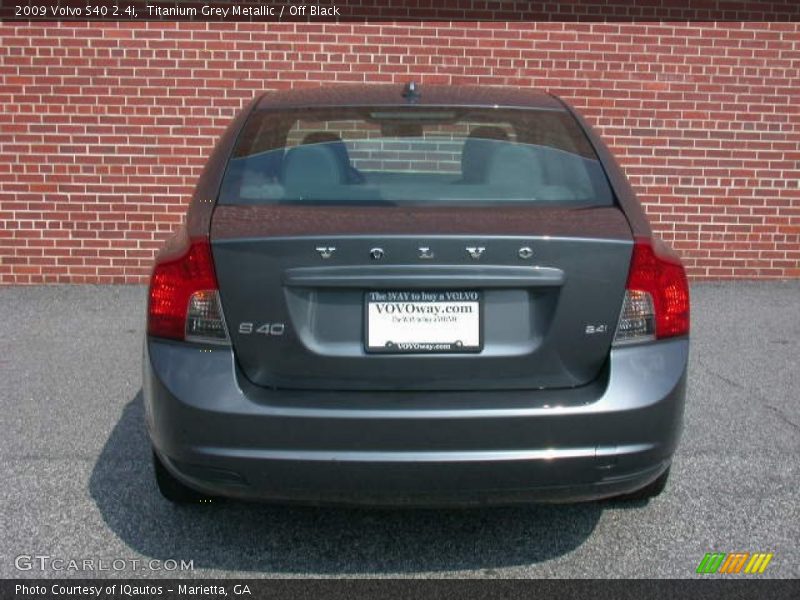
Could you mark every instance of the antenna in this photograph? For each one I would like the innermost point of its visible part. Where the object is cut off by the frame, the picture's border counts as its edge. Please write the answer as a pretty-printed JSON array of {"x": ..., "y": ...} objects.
[{"x": 410, "y": 91}]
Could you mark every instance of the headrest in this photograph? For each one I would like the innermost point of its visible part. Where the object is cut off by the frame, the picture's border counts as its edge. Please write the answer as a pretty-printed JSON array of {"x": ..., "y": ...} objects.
[
  {"x": 332, "y": 141},
  {"x": 516, "y": 166},
  {"x": 310, "y": 168},
  {"x": 477, "y": 151}
]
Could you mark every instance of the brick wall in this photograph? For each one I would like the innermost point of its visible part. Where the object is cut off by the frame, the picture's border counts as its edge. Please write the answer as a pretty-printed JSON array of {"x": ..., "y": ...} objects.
[{"x": 104, "y": 126}]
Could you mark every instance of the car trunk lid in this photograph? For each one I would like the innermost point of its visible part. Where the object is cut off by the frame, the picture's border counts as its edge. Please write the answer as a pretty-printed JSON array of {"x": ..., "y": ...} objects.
[{"x": 296, "y": 284}]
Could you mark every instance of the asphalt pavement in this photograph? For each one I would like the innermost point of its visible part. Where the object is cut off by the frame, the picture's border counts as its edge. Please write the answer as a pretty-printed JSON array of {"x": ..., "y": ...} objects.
[{"x": 77, "y": 483}]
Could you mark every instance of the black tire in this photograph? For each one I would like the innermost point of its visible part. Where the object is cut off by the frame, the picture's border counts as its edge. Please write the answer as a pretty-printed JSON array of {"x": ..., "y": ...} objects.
[
  {"x": 174, "y": 490},
  {"x": 651, "y": 490}
]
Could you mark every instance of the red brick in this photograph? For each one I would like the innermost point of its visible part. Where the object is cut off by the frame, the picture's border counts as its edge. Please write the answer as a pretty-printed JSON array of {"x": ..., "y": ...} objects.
[{"x": 104, "y": 129}]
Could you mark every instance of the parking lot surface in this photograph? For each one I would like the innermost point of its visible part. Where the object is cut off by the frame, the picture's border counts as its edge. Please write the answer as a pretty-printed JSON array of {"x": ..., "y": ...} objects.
[{"x": 77, "y": 479}]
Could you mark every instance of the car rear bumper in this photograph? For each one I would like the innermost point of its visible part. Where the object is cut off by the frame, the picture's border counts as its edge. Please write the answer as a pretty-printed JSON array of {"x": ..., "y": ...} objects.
[{"x": 219, "y": 434}]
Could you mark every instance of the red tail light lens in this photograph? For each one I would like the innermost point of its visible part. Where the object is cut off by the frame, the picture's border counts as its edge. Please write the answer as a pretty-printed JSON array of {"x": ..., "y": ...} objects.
[
  {"x": 657, "y": 298},
  {"x": 184, "y": 300}
]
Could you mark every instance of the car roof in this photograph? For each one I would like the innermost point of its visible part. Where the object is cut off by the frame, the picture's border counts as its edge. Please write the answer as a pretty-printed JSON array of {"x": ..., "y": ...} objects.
[{"x": 392, "y": 95}]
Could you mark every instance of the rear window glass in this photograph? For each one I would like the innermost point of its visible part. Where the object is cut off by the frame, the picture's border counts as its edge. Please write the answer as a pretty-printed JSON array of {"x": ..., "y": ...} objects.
[{"x": 413, "y": 155}]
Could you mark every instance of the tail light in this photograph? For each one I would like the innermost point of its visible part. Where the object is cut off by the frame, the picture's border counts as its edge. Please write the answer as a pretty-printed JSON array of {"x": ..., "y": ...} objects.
[
  {"x": 656, "y": 303},
  {"x": 184, "y": 295}
]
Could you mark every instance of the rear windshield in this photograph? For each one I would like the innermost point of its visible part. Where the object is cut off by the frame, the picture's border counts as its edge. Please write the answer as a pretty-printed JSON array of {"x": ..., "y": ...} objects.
[{"x": 413, "y": 155}]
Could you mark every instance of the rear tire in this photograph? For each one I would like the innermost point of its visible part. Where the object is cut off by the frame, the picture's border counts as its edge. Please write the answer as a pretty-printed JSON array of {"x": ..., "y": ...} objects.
[
  {"x": 651, "y": 490},
  {"x": 174, "y": 490}
]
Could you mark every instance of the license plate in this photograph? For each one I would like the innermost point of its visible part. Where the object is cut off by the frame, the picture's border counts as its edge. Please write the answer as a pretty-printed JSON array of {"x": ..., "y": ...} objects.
[{"x": 423, "y": 321}]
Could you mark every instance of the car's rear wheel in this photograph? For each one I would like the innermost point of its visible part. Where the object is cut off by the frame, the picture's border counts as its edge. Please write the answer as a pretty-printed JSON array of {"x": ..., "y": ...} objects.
[
  {"x": 651, "y": 490},
  {"x": 174, "y": 490}
]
